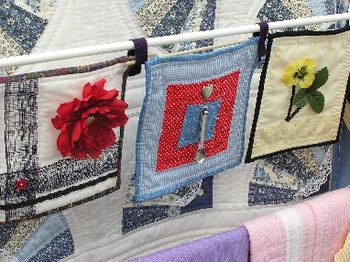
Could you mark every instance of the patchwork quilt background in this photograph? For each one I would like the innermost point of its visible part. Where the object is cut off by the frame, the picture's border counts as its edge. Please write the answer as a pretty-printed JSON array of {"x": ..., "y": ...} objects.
[{"x": 113, "y": 228}]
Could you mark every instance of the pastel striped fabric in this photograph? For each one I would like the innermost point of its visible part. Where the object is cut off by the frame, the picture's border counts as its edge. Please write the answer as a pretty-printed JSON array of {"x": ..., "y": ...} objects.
[{"x": 310, "y": 231}]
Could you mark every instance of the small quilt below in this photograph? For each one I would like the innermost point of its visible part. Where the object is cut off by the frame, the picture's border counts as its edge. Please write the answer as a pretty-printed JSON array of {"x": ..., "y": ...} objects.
[
  {"x": 291, "y": 176},
  {"x": 192, "y": 123},
  {"x": 60, "y": 144},
  {"x": 301, "y": 92}
]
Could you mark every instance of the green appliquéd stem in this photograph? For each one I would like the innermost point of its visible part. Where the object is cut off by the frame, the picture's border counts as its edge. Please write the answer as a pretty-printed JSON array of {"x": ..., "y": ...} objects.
[
  {"x": 309, "y": 95},
  {"x": 291, "y": 114}
]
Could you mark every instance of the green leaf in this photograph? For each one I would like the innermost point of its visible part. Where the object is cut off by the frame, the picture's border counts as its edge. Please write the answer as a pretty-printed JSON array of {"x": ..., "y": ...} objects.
[
  {"x": 316, "y": 101},
  {"x": 321, "y": 78},
  {"x": 300, "y": 98}
]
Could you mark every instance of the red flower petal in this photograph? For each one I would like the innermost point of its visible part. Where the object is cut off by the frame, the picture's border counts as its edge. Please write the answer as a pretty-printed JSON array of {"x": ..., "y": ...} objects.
[
  {"x": 76, "y": 131},
  {"x": 109, "y": 94},
  {"x": 65, "y": 110},
  {"x": 87, "y": 90},
  {"x": 100, "y": 84},
  {"x": 89, "y": 112},
  {"x": 63, "y": 144},
  {"x": 57, "y": 122}
]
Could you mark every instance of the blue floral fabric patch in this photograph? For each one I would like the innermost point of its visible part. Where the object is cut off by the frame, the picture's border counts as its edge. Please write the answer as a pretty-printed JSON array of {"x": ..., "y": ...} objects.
[
  {"x": 21, "y": 25},
  {"x": 191, "y": 128},
  {"x": 194, "y": 197},
  {"x": 174, "y": 88},
  {"x": 163, "y": 17},
  {"x": 43, "y": 239},
  {"x": 291, "y": 176}
]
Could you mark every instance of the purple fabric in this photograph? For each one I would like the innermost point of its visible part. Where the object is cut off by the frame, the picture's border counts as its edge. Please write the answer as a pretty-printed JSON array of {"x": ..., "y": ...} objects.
[
  {"x": 231, "y": 246},
  {"x": 264, "y": 28}
]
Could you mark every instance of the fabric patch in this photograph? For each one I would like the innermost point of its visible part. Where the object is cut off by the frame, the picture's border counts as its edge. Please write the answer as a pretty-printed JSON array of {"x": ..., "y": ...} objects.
[
  {"x": 22, "y": 24},
  {"x": 291, "y": 176},
  {"x": 174, "y": 84},
  {"x": 301, "y": 92},
  {"x": 42, "y": 239},
  {"x": 30, "y": 186},
  {"x": 188, "y": 199},
  {"x": 279, "y": 10},
  {"x": 227, "y": 246},
  {"x": 178, "y": 98},
  {"x": 160, "y": 18},
  {"x": 191, "y": 127},
  {"x": 299, "y": 229}
]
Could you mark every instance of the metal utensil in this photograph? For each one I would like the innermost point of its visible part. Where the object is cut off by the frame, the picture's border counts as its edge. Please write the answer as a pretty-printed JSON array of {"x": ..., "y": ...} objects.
[{"x": 200, "y": 154}]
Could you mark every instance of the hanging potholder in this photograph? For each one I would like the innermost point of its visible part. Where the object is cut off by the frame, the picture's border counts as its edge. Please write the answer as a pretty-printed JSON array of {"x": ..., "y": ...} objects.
[
  {"x": 60, "y": 143},
  {"x": 301, "y": 92},
  {"x": 179, "y": 92}
]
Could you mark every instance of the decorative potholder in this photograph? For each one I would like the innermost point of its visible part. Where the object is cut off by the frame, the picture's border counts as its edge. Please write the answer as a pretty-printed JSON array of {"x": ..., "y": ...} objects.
[
  {"x": 301, "y": 92},
  {"x": 192, "y": 122},
  {"x": 59, "y": 142}
]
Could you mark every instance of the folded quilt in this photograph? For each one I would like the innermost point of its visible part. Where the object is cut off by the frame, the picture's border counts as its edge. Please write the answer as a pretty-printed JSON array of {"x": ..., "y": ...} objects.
[
  {"x": 310, "y": 231},
  {"x": 230, "y": 246}
]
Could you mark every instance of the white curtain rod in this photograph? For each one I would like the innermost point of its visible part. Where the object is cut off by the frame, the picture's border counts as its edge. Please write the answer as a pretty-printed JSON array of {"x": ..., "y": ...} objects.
[{"x": 164, "y": 40}]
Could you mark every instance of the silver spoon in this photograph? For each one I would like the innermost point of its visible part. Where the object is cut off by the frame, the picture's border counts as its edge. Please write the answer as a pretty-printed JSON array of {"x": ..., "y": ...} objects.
[{"x": 200, "y": 154}]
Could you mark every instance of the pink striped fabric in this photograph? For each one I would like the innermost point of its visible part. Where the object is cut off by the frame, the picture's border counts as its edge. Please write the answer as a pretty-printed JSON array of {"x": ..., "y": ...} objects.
[
  {"x": 312, "y": 231},
  {"x": 267, "y": 238}
]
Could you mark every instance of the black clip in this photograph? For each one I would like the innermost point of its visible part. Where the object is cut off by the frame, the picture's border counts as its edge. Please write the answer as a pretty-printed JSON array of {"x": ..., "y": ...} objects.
[
  {"x": 264, "y": 28},
  {"x": 141, "y": 55}
]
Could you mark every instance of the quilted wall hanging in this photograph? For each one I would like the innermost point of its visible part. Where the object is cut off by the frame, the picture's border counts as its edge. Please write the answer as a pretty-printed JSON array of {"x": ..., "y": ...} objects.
[
  {"x": 301, "y": 92},
  {"x": 192, "y": 122},
  {"x": 61, "y": 137}
]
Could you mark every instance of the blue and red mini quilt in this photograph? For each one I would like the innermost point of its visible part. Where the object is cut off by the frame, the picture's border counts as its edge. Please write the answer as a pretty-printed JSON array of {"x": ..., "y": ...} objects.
[{"x": 195, "y": 105}]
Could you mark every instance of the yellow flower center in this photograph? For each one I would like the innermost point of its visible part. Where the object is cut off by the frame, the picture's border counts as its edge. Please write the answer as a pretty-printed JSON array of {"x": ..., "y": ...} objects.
[{"x": 90, "y": 120}]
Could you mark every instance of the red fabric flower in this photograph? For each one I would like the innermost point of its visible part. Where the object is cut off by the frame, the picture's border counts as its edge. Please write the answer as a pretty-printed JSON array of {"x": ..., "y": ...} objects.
[{"x": 86, "y": 125}]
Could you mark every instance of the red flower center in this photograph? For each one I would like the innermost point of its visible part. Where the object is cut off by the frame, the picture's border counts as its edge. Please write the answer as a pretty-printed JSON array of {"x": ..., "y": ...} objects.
[{"x": 90, "y": 120}]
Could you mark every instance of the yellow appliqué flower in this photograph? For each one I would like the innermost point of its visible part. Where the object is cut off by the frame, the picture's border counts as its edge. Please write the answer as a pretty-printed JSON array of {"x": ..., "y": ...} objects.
[{"x": 300, "y": 73}]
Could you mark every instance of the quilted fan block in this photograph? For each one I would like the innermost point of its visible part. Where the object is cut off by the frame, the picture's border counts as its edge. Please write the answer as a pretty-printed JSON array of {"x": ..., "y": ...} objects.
[{"x": 192, "y": 123}]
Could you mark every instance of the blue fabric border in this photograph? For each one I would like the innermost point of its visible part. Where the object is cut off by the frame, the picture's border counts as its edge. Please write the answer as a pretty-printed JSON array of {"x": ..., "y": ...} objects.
[{"x": 139, "y": 196}]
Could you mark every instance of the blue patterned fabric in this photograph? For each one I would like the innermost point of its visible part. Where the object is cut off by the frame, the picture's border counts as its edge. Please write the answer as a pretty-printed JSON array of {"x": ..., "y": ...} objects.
[
  {"x": 24, "y": 27},
  {"x": 42, "y": 239},
  {"x": 291, "y": 176},
  {"x": 141, "y": 215},
  {"x": 341, "y": 160},
  {"x": 278, "y": 10},
  {"x": 188, "y": 69},
  {"x": 191, "y": 128},
  {"x": 174, "y": 18}
]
